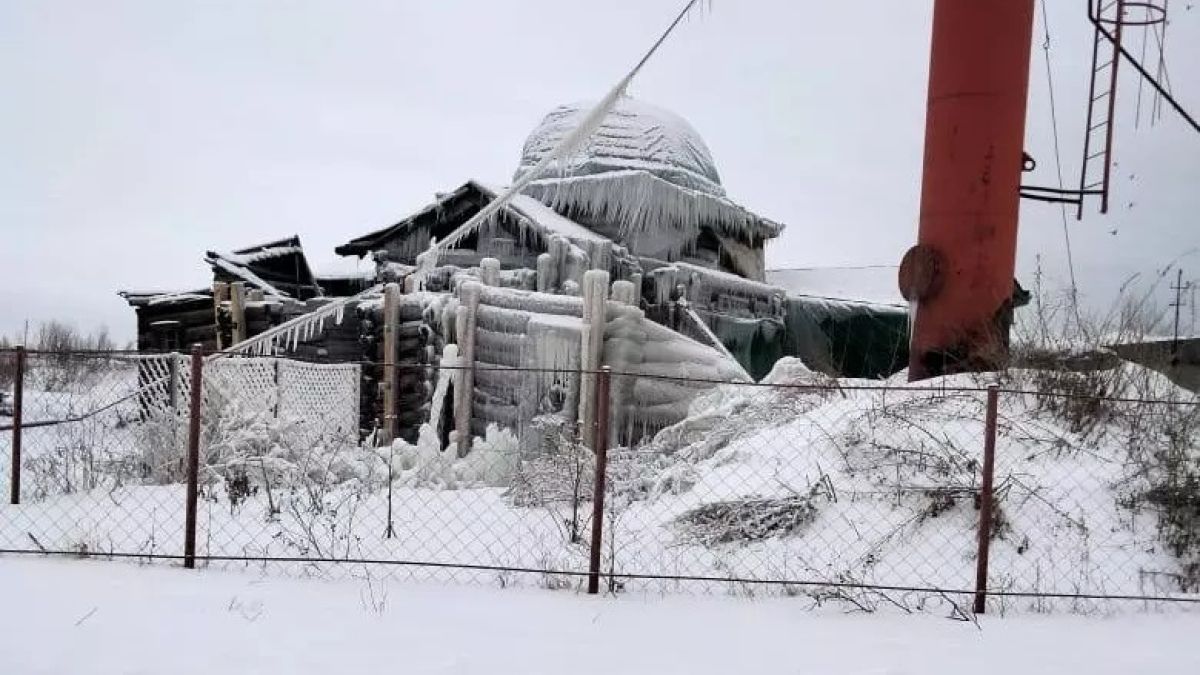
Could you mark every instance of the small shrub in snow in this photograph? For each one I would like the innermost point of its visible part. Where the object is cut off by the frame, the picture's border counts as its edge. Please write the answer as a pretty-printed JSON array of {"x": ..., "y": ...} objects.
[{"x": 556, "y": 472}]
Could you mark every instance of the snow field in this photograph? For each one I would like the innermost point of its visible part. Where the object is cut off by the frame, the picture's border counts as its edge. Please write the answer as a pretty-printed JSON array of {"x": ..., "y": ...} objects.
[{"x": 88, "y": 618}]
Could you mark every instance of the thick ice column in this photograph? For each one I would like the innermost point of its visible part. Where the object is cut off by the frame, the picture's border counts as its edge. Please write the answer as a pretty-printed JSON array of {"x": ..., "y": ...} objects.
[
  {"x": 545, "y": 273},
  {"x": 623, "y": 351},
  {"x": 576, "y": 264},
  {"x": 447, "y": 375},
  {"x": 600, "y": 253},
  {"x": 489, "y": 271},
  {"x": 465, "y": 323},
  {"x": 595, "y": 301},
  {"x": 557, "y": 250},
  {"x": 624, "y": 293}
]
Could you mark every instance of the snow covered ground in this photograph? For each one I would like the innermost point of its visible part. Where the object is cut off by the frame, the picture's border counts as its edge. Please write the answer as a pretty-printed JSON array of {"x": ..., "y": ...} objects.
[
  {"x": 83, "y": 618},
  {"x": 817, "y": 483}
]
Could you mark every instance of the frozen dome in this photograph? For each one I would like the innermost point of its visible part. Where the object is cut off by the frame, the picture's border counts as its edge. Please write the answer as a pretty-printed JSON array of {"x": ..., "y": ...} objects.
[
  {"x": 644, "y": 179},
  {"x": 635, "y": 136}
]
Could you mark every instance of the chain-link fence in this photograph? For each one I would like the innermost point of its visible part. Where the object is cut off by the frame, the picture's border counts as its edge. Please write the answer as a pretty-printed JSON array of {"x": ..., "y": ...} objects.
[{"x": 861, "y": 493}]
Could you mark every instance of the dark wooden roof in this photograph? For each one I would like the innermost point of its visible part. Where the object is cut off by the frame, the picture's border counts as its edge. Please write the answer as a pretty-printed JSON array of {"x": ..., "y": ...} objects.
[
  {"x": 276, "y": 267},
  {"x": 448, "y": 207}
]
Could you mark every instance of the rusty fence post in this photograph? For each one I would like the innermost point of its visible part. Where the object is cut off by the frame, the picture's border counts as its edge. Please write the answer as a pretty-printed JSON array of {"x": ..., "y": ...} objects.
[
  {"x": 985, "y": 499},
  {"x": 18, "y": 405},
  {"x": 600, "y": 447},
  {"x": 193, "y": 458}
]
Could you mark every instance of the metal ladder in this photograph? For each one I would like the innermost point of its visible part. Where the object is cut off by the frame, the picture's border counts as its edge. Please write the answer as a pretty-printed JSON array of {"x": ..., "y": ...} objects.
[{"x": 1096, "y": 169}]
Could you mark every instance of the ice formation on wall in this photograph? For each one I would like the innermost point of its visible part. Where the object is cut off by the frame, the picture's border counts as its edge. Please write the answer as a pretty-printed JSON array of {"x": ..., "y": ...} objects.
[{"x": 287, "y": 335}]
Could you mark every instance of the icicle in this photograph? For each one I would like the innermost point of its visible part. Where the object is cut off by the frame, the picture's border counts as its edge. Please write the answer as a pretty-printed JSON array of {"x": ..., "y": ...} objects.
[{"x": 426, "y": 264}]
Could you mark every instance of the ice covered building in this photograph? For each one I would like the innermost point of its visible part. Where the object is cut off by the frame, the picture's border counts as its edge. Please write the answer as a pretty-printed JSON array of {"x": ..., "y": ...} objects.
[{"x": 629, "y": 254}]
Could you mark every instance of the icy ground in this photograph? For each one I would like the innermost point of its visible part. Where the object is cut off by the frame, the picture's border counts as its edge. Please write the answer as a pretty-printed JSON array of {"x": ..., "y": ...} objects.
[{"x": 82, "y": 618}]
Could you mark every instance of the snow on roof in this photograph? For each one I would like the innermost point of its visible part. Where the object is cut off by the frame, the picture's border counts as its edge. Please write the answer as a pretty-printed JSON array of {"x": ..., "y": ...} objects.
[
  {"x": 155, "y": 297},
  {"x": 524, "y": 208},
  {"x": 244, "y": 273},
  {"x": 261, "y": 254},
  {"x": 869, "y": 284},
  {"x": 286, "y": 242},
  {"x": 727, "y": 280},
  {"x": 634, "y": 135},
  {"x": 545, "y": 217}
]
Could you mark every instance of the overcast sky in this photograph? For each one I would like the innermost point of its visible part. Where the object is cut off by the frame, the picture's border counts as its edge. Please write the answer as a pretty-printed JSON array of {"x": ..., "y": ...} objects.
[{"x": 136, "y": 135}]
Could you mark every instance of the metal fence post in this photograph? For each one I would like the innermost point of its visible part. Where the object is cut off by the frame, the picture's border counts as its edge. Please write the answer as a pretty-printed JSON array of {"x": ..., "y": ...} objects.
[
  {"x": 193, "y": 458},
  {"x": 18, "y": 404},
  {"x": 391, "y": 373},
  {"x": 600, "y": 447},
  {"x": 985, "y": 499}
]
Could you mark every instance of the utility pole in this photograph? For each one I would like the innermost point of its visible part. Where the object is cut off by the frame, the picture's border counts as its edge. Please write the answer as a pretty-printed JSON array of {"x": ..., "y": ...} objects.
[
  {"x": 1180, "y": 288},
  {"x": 959, "y": 276}
]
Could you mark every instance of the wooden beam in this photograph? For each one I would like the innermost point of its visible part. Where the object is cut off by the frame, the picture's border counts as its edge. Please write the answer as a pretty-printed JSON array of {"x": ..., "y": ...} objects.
[
  {"x": 237, "y": 311},
  {"x": 220, "y": 295}
]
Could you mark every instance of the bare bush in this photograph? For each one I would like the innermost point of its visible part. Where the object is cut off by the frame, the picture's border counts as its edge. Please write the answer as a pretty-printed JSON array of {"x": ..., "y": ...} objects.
[
  {"x": 556, "y": 472},
  {"x": 748, "y": 520}
]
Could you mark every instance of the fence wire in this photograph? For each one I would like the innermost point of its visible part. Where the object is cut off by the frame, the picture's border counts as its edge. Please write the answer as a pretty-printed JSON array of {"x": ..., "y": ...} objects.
[{"x": 856, "y": 493}]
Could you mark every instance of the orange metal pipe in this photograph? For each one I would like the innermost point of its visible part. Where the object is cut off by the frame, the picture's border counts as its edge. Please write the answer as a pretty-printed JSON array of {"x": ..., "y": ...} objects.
[{"x": 961, "y": 272}]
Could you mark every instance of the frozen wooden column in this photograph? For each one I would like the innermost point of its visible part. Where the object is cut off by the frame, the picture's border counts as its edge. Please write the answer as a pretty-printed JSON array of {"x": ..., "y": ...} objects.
[
  {"x": 237, "y": 311},
  {"x": 624, "y": 351},
  {"x": 391, "y": 376},
  {"x": 595, "y": 301},
  {"x": 489, "y": 271},
  {"x": 600, "y": 254},
  {"x": 552, "y": 264},
  {"x": 220, "y": 295},
  {"x": 464, "y": 392},
  {"x": 545, "y": 273},
  {"x": 624, "y": 293}
]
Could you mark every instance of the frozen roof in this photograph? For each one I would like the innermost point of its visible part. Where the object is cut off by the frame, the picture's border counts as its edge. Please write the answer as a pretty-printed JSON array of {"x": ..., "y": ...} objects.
[
  {"x": 529, "y": 211},
  {"x": 278, "y": 268},
  {"x": 644, "y": 174},
  {"x": 634, "y": 135},
  {"x": 870, "y": 284},
  {"x": 261, "y": 254},
  {"x": 645, "y": 170},
  {"x": 338, "y": 267},
  {"x": 639, "y": 203},
  {"x": 142, "y": 298},
  {"x": 244, "y": 273},
  {"x": 546, "y": 218}
]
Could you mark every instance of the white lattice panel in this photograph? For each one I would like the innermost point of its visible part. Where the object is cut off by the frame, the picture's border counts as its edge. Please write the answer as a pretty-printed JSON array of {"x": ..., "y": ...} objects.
[
  {"x": 324, "y": 397},
  {"x": 321, "y": 399}
]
